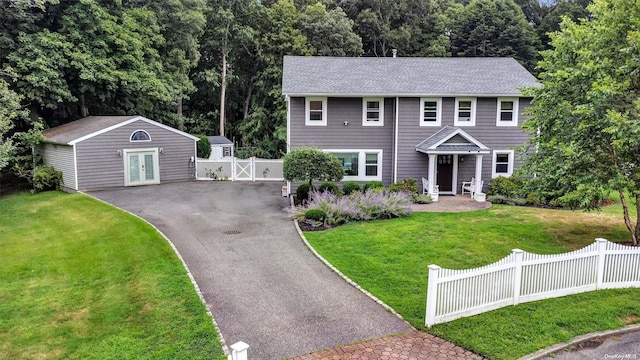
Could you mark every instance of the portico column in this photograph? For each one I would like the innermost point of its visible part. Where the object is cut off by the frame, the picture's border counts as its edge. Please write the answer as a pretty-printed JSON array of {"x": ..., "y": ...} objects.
[
  {"x": 432, "y": 172},
  {"x": 478, "y": 174}
]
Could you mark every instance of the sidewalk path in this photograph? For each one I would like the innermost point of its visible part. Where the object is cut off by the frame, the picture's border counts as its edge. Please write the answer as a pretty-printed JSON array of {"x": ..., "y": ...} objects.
[{"x": 413, "y": 345}]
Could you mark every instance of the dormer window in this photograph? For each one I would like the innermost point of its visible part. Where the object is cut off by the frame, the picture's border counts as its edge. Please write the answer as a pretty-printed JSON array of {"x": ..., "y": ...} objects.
[{"x": 139, "y": 135}]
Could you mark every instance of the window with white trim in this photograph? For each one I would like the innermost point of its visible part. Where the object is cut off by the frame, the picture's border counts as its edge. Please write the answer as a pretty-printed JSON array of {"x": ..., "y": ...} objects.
[
  {"x": 502, "y": 163},
  {"x": 372, "y": 111},
  {"x": 507, "y": 112},
  {"x": 430, "y": 111},
  {"x": 316, "y": 111},
  {"x": 465, "y": 114},
  {"x": 360, "y": 165},
  {"x": 139, "y": 135}
]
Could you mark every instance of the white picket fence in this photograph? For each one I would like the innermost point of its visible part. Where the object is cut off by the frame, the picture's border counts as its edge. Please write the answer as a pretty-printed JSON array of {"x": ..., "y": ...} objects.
[
  {"x": 234, "y": 169},
  {"x": 523, "y": 277}
]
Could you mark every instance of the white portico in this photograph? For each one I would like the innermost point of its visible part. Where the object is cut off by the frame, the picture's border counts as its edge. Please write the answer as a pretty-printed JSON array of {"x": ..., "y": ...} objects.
[{"x": 447, "y": 149}]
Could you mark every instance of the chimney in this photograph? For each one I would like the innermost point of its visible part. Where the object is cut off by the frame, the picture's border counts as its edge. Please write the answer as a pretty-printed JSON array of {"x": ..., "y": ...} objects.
[{"x": 394, "y": 52}]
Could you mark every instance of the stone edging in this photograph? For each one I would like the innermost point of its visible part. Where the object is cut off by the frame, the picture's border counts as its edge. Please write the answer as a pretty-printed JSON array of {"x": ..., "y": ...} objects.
[
  {"x": 344, "y": 277},
  {"x": 225, "y": 348},
  {"x": 578, "y": 340}
]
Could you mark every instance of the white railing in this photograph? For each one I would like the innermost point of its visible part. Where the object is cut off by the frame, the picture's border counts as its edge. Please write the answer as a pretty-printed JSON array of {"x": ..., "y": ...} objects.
[
  {"x": 523, "y": 277},
  {"x": 234, "y": 169}
]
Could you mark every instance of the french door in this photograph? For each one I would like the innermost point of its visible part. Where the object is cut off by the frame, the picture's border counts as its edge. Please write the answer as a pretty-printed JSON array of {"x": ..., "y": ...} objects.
[{"x": 141, "y": 167}]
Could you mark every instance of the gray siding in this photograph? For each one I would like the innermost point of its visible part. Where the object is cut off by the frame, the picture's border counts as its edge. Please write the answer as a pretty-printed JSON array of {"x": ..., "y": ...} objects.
[
  {"x": 410, "y": 163},
  {"x": 61, "y": 158},
  {"x": 99, "y": 165},
  {"x": 410, "y": 133},
  {"x": 338, "y": 136}
]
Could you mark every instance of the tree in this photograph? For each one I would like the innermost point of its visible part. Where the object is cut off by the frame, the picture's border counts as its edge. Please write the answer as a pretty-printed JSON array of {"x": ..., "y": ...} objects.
[
  {"x": 573, "y": 9},
  {"x": 329, "y": 33},
  {"x": 9, "y": 110},
  {"x": 494, "y": 28},
  {"x": 587, "y": 111},
  {"x": 413, "y": 27},
  {"x": 308, "y": 164}
]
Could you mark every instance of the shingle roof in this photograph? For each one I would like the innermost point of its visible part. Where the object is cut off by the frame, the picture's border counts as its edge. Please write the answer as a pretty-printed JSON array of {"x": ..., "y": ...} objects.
[
  {"x": 219, "y": 140},
  {"x": 70, "y": 133},
  {"x": 438, "y": 142},
  {"x": 320, "y": 75}
]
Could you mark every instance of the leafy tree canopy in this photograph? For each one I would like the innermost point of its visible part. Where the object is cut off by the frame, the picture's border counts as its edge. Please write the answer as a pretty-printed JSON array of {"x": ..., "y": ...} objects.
[{"x": 586, "y": 122}]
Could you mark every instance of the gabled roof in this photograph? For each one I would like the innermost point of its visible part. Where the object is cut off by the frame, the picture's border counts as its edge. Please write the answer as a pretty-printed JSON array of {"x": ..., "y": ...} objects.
[
  {"x": 219, "y": 140},
  {"x": 403, "y": 76},
  {"x": 85, "y": 128},
  {"x": 438, "y": 143}
]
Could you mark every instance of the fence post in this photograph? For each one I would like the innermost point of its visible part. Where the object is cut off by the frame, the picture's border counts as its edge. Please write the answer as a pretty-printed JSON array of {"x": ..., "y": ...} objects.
[
  {"x": 239, "y": 351},
  {"x": 432, "y": 289},
  {"x": 602, "y": 246},
  {"x": 517, "y": 280},
  {"x": 253, "y": 168},
  {"x": 233, "y": 169}
]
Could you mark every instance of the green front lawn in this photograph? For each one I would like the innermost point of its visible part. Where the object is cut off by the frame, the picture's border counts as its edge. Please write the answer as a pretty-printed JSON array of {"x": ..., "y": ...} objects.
[
  {"x": 82, "y": 280},
  {"x": 389, "y": 258}
]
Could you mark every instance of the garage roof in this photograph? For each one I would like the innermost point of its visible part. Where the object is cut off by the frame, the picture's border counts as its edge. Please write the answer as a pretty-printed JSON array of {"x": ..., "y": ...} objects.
[{"x": 85, "y": 128}]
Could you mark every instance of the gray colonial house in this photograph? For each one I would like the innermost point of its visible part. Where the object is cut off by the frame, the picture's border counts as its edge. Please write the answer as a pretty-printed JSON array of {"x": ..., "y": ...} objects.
[
  {"x": 100, "y": 152},
  {"x": 452, "y": 122}
]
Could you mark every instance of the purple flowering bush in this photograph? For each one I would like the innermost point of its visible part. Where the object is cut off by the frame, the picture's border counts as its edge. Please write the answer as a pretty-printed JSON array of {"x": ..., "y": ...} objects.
[{"x": 357, "y": 206}]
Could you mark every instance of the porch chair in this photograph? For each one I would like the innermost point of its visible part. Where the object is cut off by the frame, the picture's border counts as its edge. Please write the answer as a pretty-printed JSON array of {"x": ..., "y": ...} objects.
[{"x": 468, "y": 186}]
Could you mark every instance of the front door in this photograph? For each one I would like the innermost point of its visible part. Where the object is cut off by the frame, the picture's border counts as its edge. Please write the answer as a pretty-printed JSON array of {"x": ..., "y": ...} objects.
[
  {"x": 445, "y": 173},
  {"x": 141, "y": 167}
]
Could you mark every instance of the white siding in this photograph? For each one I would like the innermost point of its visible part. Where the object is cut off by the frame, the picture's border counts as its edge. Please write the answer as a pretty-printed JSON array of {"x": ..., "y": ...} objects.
[{"x": 61, "y": 158}]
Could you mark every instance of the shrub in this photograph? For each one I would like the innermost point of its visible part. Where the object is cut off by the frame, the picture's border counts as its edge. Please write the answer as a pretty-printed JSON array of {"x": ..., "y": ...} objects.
[
  {"x": 535, "y": 199},
  {"x": 46, "y": 178},
  {"x": 302, "y": 192},
  {"x": 357, "y": 206},
  {"x": 315, "y": 214},
  {"x": 497, "y": 199},
  {"x": 203, "y": 147},
  {"x": 329, "y": 186},
  {"x": 372, "y": 185},
  {"x": 510, "y": 187},
  {"x": 516, "y": 201},
  {"x": 408, "y": 185},
  {"x": 350, "y": 186},
  {"x": 421, "y": 199}
]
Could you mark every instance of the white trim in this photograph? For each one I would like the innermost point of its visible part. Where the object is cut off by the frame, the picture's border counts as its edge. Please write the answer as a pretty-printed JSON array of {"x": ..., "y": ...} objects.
[
  {"x": 156, "y": 166},
  {"x": 365, "y": 110},
  {"x": 438, "y": 121},
  {"x": 395, "y": 141},
  {"x": 462, "y": 133},
  {"x": 362, "y": 158},
  {"x": 509, "y": 172},
  {"x": 472, "y": 120},
  {"x": 411, "y": 95},
  {"x": 127, "y": 122},
  {"x": 307, "y": 120},
  {"x": 75, "y": 167},
  {"x": 454, "y": 173},
  {"x": 516, "y": 111},
  {"x": 138, "y": 141}
]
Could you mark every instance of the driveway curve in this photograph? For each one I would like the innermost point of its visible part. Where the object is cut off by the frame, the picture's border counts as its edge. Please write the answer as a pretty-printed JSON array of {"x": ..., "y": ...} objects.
[{"x": 261, "y": 283}]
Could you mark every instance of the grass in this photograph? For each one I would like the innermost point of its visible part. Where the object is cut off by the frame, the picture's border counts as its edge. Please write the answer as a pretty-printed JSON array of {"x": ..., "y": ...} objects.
[
  {"x": 389, "y": 258},
  {"x": 82, "y": 280}
]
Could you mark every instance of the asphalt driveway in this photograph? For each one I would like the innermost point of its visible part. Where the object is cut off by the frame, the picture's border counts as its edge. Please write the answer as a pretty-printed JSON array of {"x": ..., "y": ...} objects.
[{"x": 263, "y": 286}]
